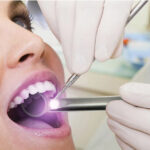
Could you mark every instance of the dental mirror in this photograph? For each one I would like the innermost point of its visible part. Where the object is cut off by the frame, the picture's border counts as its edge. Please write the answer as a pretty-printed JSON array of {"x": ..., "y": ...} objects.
[{"x": 35, "y": 106}]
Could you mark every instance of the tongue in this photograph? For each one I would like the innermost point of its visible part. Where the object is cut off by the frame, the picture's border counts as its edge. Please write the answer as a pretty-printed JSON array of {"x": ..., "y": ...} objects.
[{"x": 35, "y": 124}]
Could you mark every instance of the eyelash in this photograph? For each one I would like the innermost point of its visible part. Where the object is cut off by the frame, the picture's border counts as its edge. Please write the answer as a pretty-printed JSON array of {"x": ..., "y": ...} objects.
[{"x": 26, "y": 18}]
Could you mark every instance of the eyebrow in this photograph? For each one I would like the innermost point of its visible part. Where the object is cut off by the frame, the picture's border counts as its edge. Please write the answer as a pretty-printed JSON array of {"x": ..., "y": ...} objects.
[{"x": 14, "y": 4}]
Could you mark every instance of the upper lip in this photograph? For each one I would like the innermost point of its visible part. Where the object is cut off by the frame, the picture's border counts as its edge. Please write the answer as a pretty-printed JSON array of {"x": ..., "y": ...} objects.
[{"x": 39, "y": 76}]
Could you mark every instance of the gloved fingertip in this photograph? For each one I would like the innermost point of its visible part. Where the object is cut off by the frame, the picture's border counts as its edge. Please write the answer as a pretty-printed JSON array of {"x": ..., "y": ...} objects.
[
  {"x": 118, "y": 51},
  {"x": 108, "y": 108},
  {"x": 128, "y": 88},
  {"x": 123, "y": 145},
  {"x": 111, "y": 124},
  {"x": 124, "y": 88},
  {"x": 78, "y": 67},
  {"x": 136, "y": 94},
  {"x": 108, "y": 121},
  {"x": 102, "y": 54},
  {"x": 112, "y": 107},
  {"x": 77, "y": 70}
]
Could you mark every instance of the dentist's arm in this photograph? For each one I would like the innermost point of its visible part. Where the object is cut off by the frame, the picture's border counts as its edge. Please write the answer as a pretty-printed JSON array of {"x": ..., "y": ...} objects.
[
  {"x": 130, "y": 119},
  {"x": 87, "y": 30}
]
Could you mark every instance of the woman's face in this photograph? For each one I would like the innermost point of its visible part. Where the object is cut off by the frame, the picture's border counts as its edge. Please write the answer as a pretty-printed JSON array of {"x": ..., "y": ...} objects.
[{"x": 28, "y": 67}]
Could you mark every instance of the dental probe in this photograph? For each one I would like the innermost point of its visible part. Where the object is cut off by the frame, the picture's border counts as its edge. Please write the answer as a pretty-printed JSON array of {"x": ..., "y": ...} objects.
[
  {"x": 69, "y": 82},
  {"x": 82, "y": 104},
  {"x": 73, "y": 78}
]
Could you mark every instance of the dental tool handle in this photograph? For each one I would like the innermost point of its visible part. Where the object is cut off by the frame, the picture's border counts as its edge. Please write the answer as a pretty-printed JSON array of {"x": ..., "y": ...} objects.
[
  {"x": 74, "y": 77},
  {"x": 85, "y": 104},
  {"x": 136, "y": 9}
]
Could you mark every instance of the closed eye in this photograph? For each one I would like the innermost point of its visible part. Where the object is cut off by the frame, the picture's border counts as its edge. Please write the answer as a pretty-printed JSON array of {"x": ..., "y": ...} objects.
[{"x": 19, "y": 14}]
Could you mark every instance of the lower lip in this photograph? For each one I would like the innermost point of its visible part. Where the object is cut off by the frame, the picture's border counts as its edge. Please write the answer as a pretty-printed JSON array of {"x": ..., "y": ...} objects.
[
  {"x": 61, "y": 132},
  {"x": 56, "y": 133}
]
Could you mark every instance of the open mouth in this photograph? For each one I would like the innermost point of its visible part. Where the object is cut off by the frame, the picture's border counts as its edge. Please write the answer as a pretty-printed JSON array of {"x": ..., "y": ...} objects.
[{"x": 33, "y": 100}]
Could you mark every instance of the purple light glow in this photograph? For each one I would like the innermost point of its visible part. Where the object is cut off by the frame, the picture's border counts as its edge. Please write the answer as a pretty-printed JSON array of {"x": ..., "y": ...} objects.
[{"x": 54, "y": 104}]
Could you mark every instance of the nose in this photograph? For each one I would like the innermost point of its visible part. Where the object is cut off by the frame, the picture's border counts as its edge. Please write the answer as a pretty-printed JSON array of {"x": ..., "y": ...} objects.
[{"x": 25, "y": 49}]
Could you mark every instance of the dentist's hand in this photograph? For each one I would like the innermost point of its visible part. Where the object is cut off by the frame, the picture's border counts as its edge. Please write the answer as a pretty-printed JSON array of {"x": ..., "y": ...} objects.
[
  {"x": 87, "y": 30},
  {"x": 130, "y": 119}
]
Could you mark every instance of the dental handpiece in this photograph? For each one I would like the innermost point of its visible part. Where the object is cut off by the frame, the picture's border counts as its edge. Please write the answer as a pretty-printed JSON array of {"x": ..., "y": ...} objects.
[{"x": 73, "y": 78}]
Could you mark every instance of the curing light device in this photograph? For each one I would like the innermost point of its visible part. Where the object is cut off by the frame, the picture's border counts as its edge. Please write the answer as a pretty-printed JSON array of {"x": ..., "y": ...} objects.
[
  {"x": 69, "y": 104},
  {"x": 82, "y": 104}
]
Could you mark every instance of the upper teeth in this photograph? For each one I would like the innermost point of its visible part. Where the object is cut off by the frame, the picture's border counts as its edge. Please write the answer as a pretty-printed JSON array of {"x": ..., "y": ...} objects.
[{"x": 39, "y": 87}]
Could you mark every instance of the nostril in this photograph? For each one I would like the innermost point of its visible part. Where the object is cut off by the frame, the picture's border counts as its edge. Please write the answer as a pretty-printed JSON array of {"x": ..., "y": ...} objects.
[
  {"x": 25, "y": 57},
  {"x": 42, "y": 55}
]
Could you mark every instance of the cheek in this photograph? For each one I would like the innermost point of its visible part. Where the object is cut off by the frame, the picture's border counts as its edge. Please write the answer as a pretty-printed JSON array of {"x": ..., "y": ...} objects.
[
  {"x": 5, "y": 138},
  {"x": 53, "y": 62}
]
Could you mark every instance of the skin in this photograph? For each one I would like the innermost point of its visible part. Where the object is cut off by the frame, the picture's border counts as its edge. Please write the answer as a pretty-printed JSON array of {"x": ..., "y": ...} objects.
[{"x": 15, "y": 42}]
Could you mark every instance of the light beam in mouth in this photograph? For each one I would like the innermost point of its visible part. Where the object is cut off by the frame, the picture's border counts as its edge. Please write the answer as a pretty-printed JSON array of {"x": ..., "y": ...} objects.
[
  {"x": 37, "y": 111},
  {"x": 53, "y": 104}
]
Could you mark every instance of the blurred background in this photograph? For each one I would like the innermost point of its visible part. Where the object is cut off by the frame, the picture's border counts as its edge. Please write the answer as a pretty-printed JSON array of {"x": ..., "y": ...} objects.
[{"x": 103, "y": 78}]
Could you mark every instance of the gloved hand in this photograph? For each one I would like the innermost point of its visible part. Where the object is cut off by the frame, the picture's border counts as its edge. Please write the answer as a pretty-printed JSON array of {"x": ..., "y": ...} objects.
[
  {"x": 87, "y": 30},
  {"x": 130, "y": 119}
]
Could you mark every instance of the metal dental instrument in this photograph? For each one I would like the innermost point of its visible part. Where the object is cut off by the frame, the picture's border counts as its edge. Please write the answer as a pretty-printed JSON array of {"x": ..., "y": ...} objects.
[
  {"x": 73, "y": 78},
  {"x": 70, "y": 81},
  {"x": 83, "y": 104}
]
